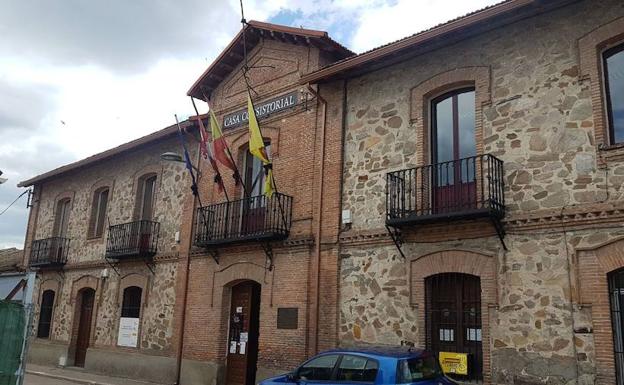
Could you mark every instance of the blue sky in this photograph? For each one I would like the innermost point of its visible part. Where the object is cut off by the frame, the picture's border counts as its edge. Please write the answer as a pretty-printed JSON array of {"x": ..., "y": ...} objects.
[{"x": 77, "y": 78}]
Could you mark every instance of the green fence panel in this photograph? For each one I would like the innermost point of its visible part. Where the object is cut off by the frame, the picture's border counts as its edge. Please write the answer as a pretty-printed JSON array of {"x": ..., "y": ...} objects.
[{"x": 12, "y": 322}]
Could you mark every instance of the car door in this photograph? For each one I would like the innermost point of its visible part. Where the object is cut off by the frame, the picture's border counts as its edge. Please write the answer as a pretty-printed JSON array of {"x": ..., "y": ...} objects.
[
  {"x": 356, "y": 369},
  {"x": 319, "y": 370}
]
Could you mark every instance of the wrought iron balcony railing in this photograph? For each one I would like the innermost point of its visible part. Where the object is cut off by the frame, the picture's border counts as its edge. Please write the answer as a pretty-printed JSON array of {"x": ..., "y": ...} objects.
[
  {"x": 137, "y": 239},
  {"x": 49, "y": 252},
  {"x": 463, "y": 189},
  {"x": 251, "y": 219}
]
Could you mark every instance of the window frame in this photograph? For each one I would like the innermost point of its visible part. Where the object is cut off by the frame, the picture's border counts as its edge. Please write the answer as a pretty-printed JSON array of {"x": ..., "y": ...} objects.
[
  {"x": 140, "y": 196},
  {"x": 337, "y": 369},
  {"x": 61, "y": 222},
  {"x": 334, "y": 371},
  {"x": 123, "y": 301},
  {"x": 433, "y": 129},
  {"x": 606, "y": 54},
  {"x": 49, "y": 322},
  {"x": 97, "y": 214}
]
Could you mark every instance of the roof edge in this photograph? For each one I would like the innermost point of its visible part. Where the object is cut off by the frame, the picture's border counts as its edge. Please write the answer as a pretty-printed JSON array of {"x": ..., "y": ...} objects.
[{"x": 417, "y": 38}]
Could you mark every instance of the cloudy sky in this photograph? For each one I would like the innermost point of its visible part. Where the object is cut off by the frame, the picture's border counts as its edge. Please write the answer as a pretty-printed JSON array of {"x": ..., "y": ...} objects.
[{"x": 78, "y": 77}]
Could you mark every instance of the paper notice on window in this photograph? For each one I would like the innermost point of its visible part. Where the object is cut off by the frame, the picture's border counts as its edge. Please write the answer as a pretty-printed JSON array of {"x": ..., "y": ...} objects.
[
  {"x": 244, "y": 337},
  {"x": 233, "y": 347},
  {"x": 128, "y": 332},
  {"x": 242, "y": 347}
]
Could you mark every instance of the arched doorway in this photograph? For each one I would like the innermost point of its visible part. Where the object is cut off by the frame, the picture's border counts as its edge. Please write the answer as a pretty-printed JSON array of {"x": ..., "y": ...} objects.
[
  {"x": 87, "y": 299},
  {"x": 242, "y": 344},
  {"x": 453, "y": 319}
]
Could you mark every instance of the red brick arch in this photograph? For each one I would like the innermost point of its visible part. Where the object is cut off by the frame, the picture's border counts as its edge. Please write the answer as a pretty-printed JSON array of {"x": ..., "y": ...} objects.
[
  {"x": 592, "y": 266},
  {"x": 457, "y": 261}
]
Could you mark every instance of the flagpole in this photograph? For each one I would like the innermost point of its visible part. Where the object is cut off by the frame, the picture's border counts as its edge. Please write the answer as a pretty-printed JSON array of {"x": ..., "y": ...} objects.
[{"x": 218, "y": 174}]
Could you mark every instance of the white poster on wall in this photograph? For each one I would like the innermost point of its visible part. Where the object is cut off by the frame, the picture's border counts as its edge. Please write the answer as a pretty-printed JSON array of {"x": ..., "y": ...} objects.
[{"x": 128, "y": 332}]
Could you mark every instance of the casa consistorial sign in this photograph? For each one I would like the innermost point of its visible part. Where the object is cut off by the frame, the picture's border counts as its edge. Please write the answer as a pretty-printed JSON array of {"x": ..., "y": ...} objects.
[{"x": 263, "y": 110}]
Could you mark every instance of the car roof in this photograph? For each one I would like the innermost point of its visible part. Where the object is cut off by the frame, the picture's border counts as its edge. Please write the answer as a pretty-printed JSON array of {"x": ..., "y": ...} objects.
[{"x": 398, "y": 352}]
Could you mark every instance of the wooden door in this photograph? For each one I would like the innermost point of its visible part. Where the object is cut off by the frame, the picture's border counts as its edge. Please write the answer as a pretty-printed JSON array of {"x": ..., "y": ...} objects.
[
  {"x": 87, "y": 299},
  {"x": 242, "y": 344},
  {"x": 453, "y": 319},
  {"x": 453, "y": 149}
]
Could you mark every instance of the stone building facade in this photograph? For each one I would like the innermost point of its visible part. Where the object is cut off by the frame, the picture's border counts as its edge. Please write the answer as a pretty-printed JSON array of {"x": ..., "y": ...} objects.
[
  {"x": 458, "y": 190},
  {"x": 92, "y": 278},
  {"x": 532, "y": 81}
]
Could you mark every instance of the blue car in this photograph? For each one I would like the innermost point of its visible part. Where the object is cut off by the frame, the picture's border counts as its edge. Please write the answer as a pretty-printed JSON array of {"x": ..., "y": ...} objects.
[{"x": 382, "y": 365}]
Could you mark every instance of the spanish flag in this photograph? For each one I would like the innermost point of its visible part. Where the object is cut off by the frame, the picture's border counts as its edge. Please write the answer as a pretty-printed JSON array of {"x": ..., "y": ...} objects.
[
  {"x": 257, "y": 149},
  {"x": 219, "y": 144}
]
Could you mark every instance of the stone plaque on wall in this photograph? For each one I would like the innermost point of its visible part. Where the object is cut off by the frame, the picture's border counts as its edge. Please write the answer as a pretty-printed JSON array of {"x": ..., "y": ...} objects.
[{"x": 287, "y": 317}]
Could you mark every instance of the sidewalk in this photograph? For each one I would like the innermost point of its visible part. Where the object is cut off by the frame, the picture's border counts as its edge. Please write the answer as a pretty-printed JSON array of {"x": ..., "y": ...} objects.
[{"x": 79, "y": 376}]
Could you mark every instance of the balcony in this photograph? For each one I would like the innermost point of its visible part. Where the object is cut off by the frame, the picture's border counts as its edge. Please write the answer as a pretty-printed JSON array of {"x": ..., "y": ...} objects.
[
  {"x": 49, "y": 252},
  {"x": 133, "y": 240},
  {"x": 467, "y": 188},
  {"x": 254, "y": 219}
]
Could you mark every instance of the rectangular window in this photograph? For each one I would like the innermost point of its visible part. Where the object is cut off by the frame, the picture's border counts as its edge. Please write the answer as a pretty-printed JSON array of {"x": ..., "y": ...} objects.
[
  {"x": 148, "y": 198},
  {"x": 61, "y": 220},
  {"x": 98, "y": 213},
  {"x": 614, "y": 88}
]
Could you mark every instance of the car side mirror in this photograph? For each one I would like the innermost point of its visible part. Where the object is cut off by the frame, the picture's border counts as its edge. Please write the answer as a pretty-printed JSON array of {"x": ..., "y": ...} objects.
[{"x": 292, "y": 377}]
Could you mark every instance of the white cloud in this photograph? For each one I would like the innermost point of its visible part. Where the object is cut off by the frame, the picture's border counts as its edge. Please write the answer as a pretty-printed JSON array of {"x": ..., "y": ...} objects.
[{"x": 383, "y": 24}]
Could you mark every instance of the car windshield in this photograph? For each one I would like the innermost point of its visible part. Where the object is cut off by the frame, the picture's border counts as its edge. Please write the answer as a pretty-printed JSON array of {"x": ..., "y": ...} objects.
[{"x": 418, "y": 369}]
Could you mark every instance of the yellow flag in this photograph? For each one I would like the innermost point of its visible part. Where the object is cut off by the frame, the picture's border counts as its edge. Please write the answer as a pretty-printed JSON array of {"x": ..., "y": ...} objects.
[
  {"x": 214, "y": 124},
  {"x": 257, "y": 149},
  {"x": 256, "y": 143}
]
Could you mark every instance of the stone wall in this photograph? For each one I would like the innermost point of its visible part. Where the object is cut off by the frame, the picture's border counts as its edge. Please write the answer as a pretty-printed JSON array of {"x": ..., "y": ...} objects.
[
  {"x": 537, "y": 117},
  {"x": 120, "y": 174}
]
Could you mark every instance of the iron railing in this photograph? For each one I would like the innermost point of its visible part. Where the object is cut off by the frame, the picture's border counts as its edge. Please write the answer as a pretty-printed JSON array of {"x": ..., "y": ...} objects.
[
  {"x": 137, "y": 239},
  {"x": 464, "y": 188},
  {"x": 49, "y": 252},
  {"x": 249, "y": 219}
]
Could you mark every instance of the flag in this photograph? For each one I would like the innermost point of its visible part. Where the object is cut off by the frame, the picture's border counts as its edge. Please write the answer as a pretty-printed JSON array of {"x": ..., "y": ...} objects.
[
  {"x": 206, "y": 151},
  {"x": 219, "y": 144},
  {"x": 187, "y": 159},
  {"x": 257, "y": 149}
]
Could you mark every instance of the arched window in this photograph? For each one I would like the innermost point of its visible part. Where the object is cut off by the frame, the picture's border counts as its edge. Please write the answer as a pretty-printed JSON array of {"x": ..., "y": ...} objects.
[
  {"x": 146, "y": 191},
  {"x": 45, "y": 314},
  {"x": 614, "y": 88},
  {"x": 98, "y": 212},
  {"x": 61, "y": 218},
  {"x": 131, "y": 305}
]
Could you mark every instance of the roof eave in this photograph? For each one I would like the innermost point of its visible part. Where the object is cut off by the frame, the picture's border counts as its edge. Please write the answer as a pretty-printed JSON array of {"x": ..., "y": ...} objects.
[{"x": 414, "y": 40}]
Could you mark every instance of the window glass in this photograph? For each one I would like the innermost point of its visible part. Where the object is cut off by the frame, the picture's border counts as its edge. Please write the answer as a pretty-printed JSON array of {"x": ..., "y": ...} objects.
[
  {"x": 418, "y": 369},
  {"x": 357, "y": 369},
  {"x": 45, "y": 314},
  {"x": 131, "y": 307},
  {"x": 444, "y": 130},
  {"x": 254, "y": 173},
  {"x": 614, "y": 66},
  {"x": 319, "y": 368}
]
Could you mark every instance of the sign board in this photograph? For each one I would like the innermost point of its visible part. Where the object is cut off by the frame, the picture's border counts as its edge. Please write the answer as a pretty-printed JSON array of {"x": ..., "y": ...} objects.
[
  {"x": 128, "y": 332},
  {"x": 263, "y": 110},
  {"x": 454, "y": 362}
]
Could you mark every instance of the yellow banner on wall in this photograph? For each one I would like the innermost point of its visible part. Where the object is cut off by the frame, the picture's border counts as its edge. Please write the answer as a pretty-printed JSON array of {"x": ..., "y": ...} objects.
[{"x": 454, "y": 362}]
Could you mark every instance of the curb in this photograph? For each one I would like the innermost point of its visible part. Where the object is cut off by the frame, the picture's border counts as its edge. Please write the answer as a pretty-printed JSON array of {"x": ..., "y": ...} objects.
[{"x": 65, "y": 378}]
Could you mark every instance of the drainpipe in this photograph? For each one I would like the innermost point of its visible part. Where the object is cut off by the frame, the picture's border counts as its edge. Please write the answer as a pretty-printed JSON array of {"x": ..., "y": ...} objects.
[
  {"x": 187, "y": 270},
  {"x": 317, "y": 231}
]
